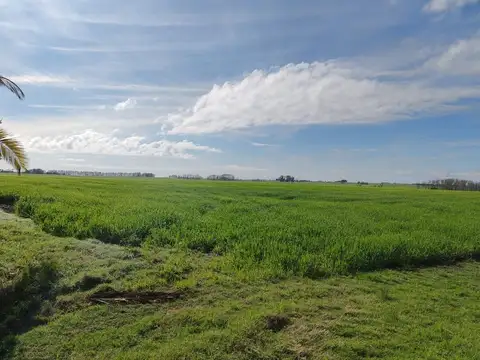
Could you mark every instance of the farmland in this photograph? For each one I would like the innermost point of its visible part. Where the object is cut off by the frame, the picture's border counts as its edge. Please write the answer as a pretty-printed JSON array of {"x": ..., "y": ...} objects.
[
  {"x": 262, "y": 270},
  {"x": 310, "y": 230}
]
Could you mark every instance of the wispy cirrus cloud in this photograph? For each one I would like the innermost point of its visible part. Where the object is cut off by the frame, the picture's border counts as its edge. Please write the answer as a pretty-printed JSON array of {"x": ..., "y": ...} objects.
[
  {"x": 59, "y": 81},
  {"x": 258, "y": 144},
  {"x": 42, "y": 79}
]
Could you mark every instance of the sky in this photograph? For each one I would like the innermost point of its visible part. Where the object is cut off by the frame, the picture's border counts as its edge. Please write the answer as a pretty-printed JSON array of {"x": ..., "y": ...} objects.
[{"x": 364, "y": 90}]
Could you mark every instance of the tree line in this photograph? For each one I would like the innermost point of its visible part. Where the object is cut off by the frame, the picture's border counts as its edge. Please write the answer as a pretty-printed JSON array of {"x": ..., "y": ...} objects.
[
  {"x": 87, "y": 173},
  {"x": 224, "y": 177},
  {"x": 451, "y": 184}
]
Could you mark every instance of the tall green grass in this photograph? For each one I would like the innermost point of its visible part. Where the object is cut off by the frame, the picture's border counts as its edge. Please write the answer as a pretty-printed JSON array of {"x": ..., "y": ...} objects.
[{"x": 310, "y": 230}]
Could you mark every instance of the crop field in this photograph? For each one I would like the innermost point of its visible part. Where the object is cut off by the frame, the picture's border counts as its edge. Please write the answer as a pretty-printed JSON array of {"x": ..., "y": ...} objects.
[
  {"x": 277, "y": 230},
  {"x": 97, "y": 268}
]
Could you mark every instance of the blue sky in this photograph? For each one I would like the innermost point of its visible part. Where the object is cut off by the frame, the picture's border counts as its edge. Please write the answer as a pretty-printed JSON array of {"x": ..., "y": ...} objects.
[{"x": 366, "y": 90}]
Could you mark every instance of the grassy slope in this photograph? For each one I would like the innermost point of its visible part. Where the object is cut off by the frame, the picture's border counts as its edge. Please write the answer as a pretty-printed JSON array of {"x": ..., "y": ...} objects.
[
  {"x": 279, "y": 230},
  {"x": 425, "y": 314}
]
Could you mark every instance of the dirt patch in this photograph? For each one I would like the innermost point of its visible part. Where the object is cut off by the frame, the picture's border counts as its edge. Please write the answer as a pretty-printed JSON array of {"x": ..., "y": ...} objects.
[
  {"x": 7, "y": 208},
  {"x": 7, "y": 203},
  {"x": 276, "y": 323},
  {"x": 133, "y": 297}
]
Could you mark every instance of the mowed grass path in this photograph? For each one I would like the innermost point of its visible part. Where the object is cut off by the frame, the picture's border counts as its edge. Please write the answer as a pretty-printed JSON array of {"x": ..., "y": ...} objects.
[{"x": 311, "y": 230}]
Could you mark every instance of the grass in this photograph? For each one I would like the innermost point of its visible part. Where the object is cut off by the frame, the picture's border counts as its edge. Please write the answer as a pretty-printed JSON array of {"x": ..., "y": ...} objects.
[
  {"x": 429, "y": 313},
  {"x": 273, "y": 230}
]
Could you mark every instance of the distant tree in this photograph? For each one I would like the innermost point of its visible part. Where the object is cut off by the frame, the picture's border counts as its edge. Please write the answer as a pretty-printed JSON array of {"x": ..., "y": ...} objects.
[
  {"x": 451, "y": 184},
  {"x": 227, "y": 177},
  {"x": 88, "y": 173},
  {"x": 224, "y": 177},
  {"x": 286, "y": 178},
  {"x": 186, "y": 177},
  {"x": 35, "y": 171}
]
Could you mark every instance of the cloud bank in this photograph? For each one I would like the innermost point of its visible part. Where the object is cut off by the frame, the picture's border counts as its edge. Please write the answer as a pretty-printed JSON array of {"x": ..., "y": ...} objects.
[
  {"x": 334, "y": 93},
  {"x": 92, "y": 142}
]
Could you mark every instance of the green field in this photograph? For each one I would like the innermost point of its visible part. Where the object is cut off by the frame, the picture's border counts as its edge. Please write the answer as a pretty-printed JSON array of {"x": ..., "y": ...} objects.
[
  {"x": 311, "y": 230},
  {"x": 171, "y": 269}
]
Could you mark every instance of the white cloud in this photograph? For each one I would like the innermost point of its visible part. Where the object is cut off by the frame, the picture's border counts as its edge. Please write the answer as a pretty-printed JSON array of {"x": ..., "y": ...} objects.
[
  {"x": 41, "y": 79},
  {"x": 125, "y": 105},
  {"x": 436, "y": 6},
  {"x": 75, "y": 122},
  {"x": 316, "y": 93},
  {"x": 88, "y": 83},
  {"x": 92, "y": 142},
  {"x": 257, "y": 144},
  {"x": 461, "y": 58}
]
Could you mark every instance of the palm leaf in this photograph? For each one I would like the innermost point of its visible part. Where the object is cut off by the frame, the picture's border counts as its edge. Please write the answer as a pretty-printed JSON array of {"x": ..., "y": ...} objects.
[
  {"x": 10, "y": 85},
  {"x": 12, "y": 151}
]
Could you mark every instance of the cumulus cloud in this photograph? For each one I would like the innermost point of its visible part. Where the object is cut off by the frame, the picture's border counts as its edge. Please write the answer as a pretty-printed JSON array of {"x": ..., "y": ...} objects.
[
  {"x": 125, "y": 105},
  {"x": 314, "y": 93},
  {"x": 437, "y": 6},
  {"x": 92, "y": 142}
]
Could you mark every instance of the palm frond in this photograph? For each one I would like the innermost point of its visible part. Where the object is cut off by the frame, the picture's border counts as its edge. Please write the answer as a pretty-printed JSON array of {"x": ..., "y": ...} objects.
[
  {"x": 10, "y": 85},
  {"x": 12, "y": 151}
]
